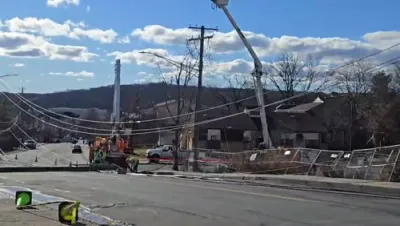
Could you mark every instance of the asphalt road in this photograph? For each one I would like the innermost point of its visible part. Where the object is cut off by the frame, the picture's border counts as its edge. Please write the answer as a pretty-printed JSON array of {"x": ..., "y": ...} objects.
[
  {"x": 177, "y": 202},
  {"x": 48, "y": 153}
]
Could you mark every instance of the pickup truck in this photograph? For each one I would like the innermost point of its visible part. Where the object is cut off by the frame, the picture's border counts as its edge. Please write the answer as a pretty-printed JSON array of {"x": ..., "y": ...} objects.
[{"x": 162, "y": 152}]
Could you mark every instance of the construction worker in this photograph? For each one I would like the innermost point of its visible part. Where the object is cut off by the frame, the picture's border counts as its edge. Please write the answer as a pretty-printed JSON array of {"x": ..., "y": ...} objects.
[
  {"x": 133, "y": 163},
  {"x": 97, "y": 156}
]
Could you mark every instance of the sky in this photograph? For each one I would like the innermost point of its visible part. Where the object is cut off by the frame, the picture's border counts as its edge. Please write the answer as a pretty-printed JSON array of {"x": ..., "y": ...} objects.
[{"x": 57, "y": 45}]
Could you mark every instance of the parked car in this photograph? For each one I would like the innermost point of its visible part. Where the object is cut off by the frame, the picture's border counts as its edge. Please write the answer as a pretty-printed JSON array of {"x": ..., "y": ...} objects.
[
  {"x": 77, "y": 149},
  {"x": 30, "y": 144},
  {"x": 163, "y": 152}
]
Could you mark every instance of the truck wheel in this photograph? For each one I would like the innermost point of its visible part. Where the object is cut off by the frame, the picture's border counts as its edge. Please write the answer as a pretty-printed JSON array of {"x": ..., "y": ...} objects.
[{"x": 155, "y": 158}]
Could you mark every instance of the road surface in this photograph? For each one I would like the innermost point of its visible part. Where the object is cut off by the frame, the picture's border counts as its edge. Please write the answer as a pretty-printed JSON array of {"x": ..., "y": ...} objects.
[
  {"x": 48, "y": 153},
  {"x": 155, "y": 201}
]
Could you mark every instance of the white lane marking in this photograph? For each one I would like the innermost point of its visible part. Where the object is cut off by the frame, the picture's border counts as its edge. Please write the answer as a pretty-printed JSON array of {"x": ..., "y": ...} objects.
[
  {"x": 55, "y": 189},
  {"x": 18, "y": 181},
  {"x": 4, "y": 178}
]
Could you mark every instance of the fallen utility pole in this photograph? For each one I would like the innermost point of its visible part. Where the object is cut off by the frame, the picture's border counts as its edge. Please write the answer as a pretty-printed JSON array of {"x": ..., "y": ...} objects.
[{"x": 196, "y": 130}]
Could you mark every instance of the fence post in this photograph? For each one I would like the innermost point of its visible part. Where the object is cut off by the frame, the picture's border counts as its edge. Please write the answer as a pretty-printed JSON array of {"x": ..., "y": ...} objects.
[
  {"x": 370, "y": 162},
  {"x": 387, "y": 163},
  {"x": 337, "y": 161},
  {"x": 290, "y": 163},
  {"x": 313, "y": 162},
  {"x": 394, "y": 165},
  {"x": 348, "y": 163}
]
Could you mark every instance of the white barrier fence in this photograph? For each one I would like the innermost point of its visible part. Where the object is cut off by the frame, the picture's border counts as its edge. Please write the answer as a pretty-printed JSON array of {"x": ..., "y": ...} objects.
[{"x": 381, "y": 163}]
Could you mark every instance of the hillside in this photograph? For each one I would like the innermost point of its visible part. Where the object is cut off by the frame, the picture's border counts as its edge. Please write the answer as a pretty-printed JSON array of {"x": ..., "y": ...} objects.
[
  {"x": 149, "y": 94},
  {"x": 102, "y": 97}
]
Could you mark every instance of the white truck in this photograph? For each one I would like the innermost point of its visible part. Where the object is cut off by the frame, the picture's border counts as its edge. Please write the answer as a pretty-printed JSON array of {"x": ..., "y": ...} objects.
[{"x": 163, "y": 152}]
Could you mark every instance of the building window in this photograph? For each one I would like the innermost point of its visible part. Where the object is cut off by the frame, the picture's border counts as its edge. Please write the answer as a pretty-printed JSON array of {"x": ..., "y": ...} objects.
[
  {"x": 214, "y": 137},
  {"x": 312, "y": 144}
]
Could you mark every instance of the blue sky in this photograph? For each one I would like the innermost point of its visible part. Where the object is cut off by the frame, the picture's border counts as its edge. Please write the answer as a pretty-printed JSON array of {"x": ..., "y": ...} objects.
[{"x": 334, "y": 30}]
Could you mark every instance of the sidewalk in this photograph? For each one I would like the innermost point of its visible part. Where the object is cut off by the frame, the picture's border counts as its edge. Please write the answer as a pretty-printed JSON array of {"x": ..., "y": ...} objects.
[
  {"x": 9, "y": 216},
  {"x": 300, "y": 181}
]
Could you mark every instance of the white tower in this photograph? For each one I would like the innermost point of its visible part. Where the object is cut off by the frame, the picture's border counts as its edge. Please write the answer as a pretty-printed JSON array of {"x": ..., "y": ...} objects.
[{"x": 116, "y": 104}]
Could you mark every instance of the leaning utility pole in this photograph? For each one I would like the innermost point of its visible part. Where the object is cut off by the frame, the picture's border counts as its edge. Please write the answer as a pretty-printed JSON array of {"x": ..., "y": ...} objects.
[
  {"x": 196, "y": 130},
  {"x": 257, "y": 72}
]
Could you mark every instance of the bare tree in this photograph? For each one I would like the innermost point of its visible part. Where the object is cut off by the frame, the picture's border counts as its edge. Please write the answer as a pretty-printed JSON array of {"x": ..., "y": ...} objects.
[
  {"x": 181, "y": 96},
  {"x": 354, "y": 81},
  {"x": 396, "y": 77},
  {"x": 239, "y": 87},
  {"x": 290, "y": 74}
]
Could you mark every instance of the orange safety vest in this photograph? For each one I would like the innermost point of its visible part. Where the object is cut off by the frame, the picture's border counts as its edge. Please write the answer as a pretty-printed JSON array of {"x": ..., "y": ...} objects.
[{"x": 120, "y": 146}]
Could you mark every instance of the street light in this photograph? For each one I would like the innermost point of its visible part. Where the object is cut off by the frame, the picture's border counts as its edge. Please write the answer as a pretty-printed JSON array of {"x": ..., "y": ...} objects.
[
  {"x": 257, "y": 72},
  {"x": 173, "y": 62},
  {"x": 8, "y": 75}
]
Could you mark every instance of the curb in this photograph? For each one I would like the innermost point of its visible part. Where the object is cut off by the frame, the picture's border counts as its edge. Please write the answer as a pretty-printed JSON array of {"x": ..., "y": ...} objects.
[
  {"x": 362, "y": 187},
  {"x": 161, "y": 173},
  {"x": 55, "y": 169}
]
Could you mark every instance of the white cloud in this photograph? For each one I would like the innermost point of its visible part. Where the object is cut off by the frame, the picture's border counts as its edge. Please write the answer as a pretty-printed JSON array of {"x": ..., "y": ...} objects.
[
  {"x": 103, "y": 36},
  {"x": 18, "y": 65},
  {"x": 88, "y": 8},
  {"x": 57, "y": 3},
  {"x": 124, "y": 40},
  {"x": 45, "y": 27},
  {"x": 14, "y": 44},
  {"x": 74, "y": 74},
  {"x": 49, "y": 28},
  {"x": 327, "y": 48},
  {"x": 163, "y": 35}
]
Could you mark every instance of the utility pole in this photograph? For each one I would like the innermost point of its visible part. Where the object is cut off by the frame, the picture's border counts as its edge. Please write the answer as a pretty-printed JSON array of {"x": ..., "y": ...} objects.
[{"x": 196, "y": 130}]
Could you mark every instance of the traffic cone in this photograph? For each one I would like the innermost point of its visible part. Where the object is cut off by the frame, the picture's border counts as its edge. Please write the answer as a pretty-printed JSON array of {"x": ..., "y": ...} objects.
[
  {"x": 16, "y": 157},
  {"x": 23, "y": 199},
  {"x": 36, "y": 160},
  {"x": 68, "y": 212},
  {"x": 55, "y": 162}
]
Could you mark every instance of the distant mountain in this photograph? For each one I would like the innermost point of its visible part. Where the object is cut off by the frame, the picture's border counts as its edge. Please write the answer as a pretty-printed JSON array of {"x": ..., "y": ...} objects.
[{"x": 149, "y": 94}]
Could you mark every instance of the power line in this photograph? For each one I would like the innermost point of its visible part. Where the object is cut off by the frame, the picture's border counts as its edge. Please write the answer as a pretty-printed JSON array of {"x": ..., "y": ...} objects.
[
  {"x": 204, "y": 122},
  {"x": 24, "y": 100},
  {"x": 180, "y": 127},
  {"x": 141, "y": 121},
  {"x": 202, "y": 110},
  {"x": 143, "y": 133}
]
